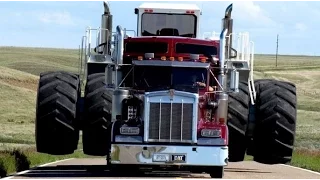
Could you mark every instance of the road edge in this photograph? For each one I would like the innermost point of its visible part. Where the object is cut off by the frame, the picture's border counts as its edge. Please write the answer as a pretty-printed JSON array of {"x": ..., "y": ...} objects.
[
  {"x": 307, "y": 170},
  {"x": 42, "y": 165}
]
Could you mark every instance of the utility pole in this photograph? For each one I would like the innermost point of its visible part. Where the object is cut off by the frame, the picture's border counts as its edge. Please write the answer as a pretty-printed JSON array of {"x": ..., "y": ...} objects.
[{"x": 277, "y": 50}]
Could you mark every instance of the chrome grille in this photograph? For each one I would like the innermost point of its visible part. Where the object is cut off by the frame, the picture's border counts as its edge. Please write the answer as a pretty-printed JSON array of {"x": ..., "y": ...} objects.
[{"x": 170, "y": 122}]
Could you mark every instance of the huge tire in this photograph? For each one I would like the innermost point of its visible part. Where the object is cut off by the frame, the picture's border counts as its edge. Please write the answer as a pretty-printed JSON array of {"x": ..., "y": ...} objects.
[
  {"x": 97, "y": 122},
  {"x": 276, "y": 121},
  {"x": 57, "y": 113},
  {"x": 238, "y": 113},
  {"x": 217, "y": 172}
]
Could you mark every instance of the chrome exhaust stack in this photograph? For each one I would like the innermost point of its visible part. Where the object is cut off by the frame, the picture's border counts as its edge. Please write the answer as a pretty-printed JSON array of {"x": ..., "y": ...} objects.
[
  {"x": 222, "y": 57},
  {"x": 106, "y": 26},
  {"x": 227, "y": 23}
]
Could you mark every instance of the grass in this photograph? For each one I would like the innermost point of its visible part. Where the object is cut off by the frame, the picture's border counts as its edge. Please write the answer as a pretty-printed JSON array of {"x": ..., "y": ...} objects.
[
  {"x": 16, "y": 160},
  {"x": 308, "y": 159},
  {"x": 20, "y": 67}
]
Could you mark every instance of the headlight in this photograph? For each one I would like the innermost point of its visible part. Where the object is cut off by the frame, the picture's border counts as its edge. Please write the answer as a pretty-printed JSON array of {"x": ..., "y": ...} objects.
[
  {"x": 130, "y": 130},
  {"x": 211, "y": 132}
]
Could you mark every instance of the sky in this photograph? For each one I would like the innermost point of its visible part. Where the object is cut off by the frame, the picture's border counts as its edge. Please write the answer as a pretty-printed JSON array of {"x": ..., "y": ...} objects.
[{"x": 61, "y": 24}]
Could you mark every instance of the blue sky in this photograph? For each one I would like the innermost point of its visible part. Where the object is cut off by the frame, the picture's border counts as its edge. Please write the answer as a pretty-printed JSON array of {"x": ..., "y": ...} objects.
[{"x": 61, "y": 24}]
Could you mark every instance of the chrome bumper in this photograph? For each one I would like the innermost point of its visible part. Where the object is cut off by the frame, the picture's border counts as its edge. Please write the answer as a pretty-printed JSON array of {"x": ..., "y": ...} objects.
[{"x": 190, "y": 155}]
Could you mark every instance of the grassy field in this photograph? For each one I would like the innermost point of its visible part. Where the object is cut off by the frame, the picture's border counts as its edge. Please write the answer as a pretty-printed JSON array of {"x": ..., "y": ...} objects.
[{"x": 20, "y": 67}]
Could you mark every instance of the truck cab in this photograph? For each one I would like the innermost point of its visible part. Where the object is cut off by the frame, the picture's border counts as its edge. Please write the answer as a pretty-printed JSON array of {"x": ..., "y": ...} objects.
[{"x": 164, "y": 19}]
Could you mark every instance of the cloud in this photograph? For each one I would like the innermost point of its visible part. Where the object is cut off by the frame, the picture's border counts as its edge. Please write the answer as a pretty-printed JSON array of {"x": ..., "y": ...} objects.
[
  {"x": 247, "y": 16},
  {"x": 59, "y": 18},
  {"x": 250, "y": 12},
  {"x": 301, "y": 27}
]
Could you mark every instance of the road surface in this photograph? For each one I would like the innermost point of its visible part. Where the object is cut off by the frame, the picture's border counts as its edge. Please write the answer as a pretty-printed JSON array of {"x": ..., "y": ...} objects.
[{"x": 95, "y": 168}]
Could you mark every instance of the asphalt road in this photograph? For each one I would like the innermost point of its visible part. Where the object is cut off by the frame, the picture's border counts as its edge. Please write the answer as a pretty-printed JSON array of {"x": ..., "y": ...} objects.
[{"x": 95, "y": 168}]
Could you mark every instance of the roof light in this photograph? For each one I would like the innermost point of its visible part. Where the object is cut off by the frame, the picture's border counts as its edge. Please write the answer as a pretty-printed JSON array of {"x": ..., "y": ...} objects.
[
  {"x": 163, "y": 58},
  {"x": 148, "y": 10},
  {"x": 171, "y": 58},
  {"x": 190, "y": 12}
]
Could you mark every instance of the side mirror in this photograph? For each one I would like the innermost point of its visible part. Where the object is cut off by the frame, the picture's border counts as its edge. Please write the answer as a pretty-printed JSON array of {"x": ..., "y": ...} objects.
[{"x": 233, "y": 53}]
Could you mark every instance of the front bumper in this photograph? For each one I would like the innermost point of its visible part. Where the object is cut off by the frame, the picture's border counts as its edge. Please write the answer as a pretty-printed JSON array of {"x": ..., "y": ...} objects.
[{"x": 183, "y": 155}]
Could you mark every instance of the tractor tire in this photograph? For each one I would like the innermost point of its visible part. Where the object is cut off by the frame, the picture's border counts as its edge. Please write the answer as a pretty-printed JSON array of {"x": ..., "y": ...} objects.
[
  {"x": 97, "y": 122},
  {"x": 217, "y": 172},
  {"x": 57, "y": 112},
  {"x": 275, "y": 121},
  {"x": 238, "y": 116}
]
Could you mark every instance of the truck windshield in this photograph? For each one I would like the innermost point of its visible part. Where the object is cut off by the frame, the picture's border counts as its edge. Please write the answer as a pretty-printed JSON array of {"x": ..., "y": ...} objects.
[
  {"x": 160, "y": 78},
  {"x": 158, "y": 24}
]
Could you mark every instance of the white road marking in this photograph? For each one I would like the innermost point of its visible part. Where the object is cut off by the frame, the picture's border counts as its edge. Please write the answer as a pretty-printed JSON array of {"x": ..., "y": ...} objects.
[
  {"x": 26, "y": 171},
  {"x": 19, "y": 173},
  {"x": 307, "y": 170}
]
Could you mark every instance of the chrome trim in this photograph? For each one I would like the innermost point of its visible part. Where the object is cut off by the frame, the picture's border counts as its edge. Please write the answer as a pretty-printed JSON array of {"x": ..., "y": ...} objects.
[
  {"x": 143, "y": 154},
  {"x": 117, "y": 98},
  {"x": 126, "y": 139},
  {"x": 171, "y": 63},
  {"x": 120, "y": 45},
  {"x": 181, "y": 120},
  {"x": 171, "y": 121},
  {"x": 160, "y": 121},
  {"x": 164, "y": 97},
  {"x": 211, "y": 141}
]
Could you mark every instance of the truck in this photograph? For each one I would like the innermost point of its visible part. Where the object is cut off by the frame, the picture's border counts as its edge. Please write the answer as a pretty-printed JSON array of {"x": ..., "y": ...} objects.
[{"x": 166, "y": 97}]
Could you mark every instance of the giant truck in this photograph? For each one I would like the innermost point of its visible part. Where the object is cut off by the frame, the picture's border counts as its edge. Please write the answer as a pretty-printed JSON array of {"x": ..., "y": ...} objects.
[{"x": 166, "y": 97}]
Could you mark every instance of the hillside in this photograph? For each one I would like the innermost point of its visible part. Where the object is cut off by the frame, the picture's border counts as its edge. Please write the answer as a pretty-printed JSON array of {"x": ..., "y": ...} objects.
[{"x": 19, "y": 70}]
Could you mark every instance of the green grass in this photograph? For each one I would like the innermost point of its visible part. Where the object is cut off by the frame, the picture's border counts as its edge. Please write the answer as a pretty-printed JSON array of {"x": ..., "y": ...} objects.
[
  {"x": 308, "y": 159},
  {"x": 20, "y": 67},
  {"x": 16, "y": 160},
  {"x": 303, "y": 158},
  {"x": 36, "y": 60}
]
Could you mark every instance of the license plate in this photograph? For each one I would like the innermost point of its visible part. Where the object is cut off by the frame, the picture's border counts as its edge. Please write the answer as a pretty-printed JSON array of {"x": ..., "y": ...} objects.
[
  {"x": 178, "y": 158},
  {"x": 160, "y": 158}
]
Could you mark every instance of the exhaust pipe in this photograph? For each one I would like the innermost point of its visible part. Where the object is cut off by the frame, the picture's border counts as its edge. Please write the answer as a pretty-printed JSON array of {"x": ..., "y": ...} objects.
[
  {"x": 106, "y": 7},
  {"x": 227, "y": 23},
  {"x": 222, "y": 57},
  {"x": 120, "y": 44},
  {"x": 106, "y": 23}
]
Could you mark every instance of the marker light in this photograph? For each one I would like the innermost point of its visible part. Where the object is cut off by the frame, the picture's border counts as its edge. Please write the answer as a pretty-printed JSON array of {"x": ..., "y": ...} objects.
[
  {"x": 222, "y": 120},
  {"x": 203, "y": 60},
  {"x": 163, "y": 58},
  {"x": 171, "y": 58},
  {"x": 190, "y": 12},
  {"x": 140, "y": 58},
  {"x": 148, "y": 10},
  {"x": 180, "y": 58}
]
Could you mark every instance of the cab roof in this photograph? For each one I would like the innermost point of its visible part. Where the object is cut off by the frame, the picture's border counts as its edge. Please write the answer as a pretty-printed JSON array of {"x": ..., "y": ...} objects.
[{"x": 169, "y": 6}]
